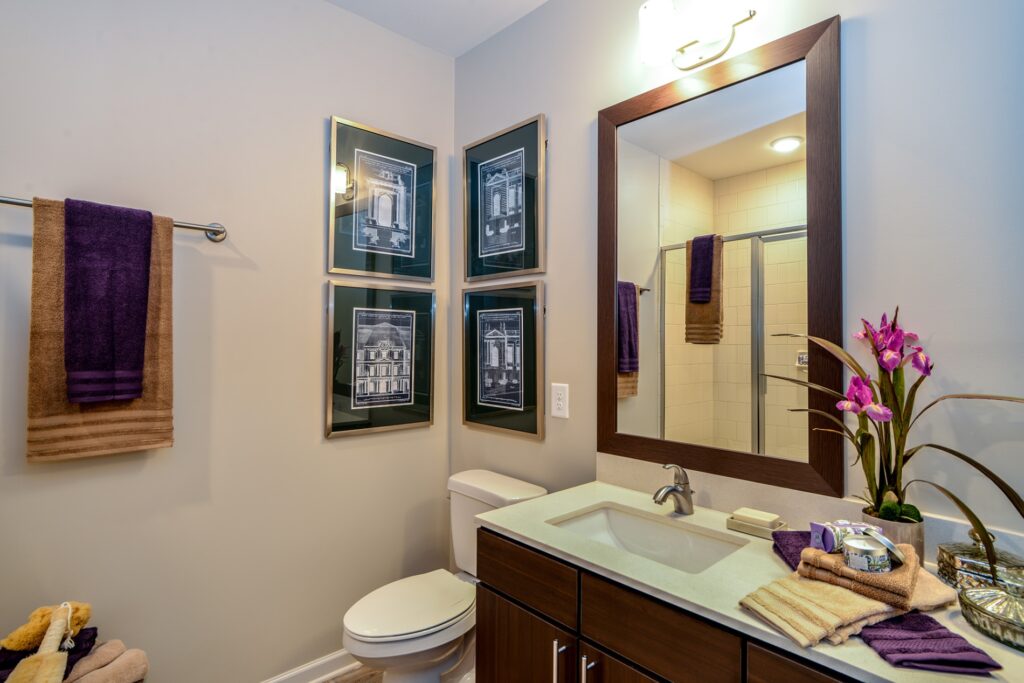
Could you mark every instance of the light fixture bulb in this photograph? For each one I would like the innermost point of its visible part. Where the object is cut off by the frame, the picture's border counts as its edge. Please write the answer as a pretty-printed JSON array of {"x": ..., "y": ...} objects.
[
  {"x": 341, "y": 179},
  {"x": 787, "y": 144},
  {"x": 658, "y": 25}
]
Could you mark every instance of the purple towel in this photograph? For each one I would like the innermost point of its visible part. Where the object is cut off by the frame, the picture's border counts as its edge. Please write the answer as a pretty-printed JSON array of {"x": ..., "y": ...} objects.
[
  {"x": 629, "y": 328},
  {"x": 916, "y": 641},
  {"x": 701, "y": 261},
  {"x": 789, "y": 544},
  {"x": 106, "y": 295},
  {"x": 84, "y": 642}
]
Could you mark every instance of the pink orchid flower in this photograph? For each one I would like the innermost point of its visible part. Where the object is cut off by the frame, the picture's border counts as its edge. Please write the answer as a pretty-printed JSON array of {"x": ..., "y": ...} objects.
[
  {"x": 877, "y": 412},
  {"x": 858, "y": 395},
  {"x": 921, "y": 362}
]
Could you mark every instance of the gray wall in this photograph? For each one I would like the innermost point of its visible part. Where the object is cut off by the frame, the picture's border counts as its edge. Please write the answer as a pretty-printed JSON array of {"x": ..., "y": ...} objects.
[
  {"x": 234, "y": 555},
  {"x": 931, "y": 172}
]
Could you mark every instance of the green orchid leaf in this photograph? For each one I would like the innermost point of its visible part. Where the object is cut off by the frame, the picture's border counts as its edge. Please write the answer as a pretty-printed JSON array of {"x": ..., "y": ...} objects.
[
  {"x": 979, "y": 528},
  {"x": 966, "y": 397},
  {"x": 809, "y": 385},
  {"x": 1008, "y": 491},
  {"x": 835, "y": 420}
]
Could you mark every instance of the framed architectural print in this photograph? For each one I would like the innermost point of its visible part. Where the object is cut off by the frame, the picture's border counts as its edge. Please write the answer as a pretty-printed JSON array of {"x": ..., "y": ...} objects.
[
  {"x": 382, "y": 204},
  {"x": 503, "y": 358},
  {"x": 503, "y": 185},
  {"x": 380, "y": 358}
]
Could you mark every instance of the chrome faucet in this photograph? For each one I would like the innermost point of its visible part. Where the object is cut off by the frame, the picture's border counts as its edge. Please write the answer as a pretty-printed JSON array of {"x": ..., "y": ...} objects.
[{"x": 679, "y": 491}]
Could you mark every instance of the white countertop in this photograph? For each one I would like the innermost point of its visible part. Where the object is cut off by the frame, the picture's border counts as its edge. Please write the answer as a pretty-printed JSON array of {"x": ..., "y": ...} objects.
[{"x": 715, "y": 592}]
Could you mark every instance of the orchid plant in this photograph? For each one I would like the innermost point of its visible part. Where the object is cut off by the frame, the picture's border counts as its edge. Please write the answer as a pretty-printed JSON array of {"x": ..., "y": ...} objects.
[{"x": 884, "y": 410}]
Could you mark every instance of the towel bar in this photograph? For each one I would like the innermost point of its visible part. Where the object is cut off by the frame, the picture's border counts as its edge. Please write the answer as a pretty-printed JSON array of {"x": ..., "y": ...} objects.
[{"x": 215, "y": 232}]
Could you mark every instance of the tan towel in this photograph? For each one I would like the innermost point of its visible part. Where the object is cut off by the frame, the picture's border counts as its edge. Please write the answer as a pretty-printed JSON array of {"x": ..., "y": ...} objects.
[
  {"x": 101, "y": 655},
  {"x": 129, "y": 667},
  {"x": 628, "y": 384},
  {"x": 895, "y": 588},
  {"x": 704, "y": 321},
  {"x": 58, "y": 430},
  {"x": 810, "y": 611}
]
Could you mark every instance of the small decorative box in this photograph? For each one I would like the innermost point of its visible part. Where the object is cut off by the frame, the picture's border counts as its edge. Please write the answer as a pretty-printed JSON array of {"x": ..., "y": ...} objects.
[{"x": 965, "y": 565}]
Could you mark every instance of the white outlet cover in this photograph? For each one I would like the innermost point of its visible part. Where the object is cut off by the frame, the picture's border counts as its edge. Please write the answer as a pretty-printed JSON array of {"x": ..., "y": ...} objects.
[{"x": 560, "y": 400}]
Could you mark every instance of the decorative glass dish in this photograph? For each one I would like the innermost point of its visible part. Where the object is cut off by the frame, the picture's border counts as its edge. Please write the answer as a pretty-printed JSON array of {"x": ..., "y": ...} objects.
[
  {"x": 996, "y": 611},
  {"x": 965, "y": 565}
]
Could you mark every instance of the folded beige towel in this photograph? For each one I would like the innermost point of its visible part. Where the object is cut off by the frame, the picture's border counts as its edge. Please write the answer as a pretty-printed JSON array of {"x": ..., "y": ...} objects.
[
  {"x": 704, "y": 321},
  {"x": 100, "y": 656},
  {"x": 130, "y": 667},
  {"x": 58, "y": 430},
  {"x": 810, "y": 611},
  {"x": 895, "y": 588},
  {"x": 628, "y": 384}
]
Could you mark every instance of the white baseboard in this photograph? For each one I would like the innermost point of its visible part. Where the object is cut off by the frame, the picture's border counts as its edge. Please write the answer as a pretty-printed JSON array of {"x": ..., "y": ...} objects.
[{"x": 319, "y": 670}]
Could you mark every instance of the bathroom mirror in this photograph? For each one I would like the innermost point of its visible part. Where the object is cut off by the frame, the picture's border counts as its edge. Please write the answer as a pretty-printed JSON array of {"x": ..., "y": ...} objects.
[{"x": 720, "y": 230}]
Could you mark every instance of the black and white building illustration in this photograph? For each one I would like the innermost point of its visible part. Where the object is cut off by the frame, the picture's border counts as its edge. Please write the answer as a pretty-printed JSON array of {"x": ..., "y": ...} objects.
[
  {"x": 501, "y": 227},
  {"x": 500, "y": 358},
  {"x": 382, "y": 359},
  {"x": 385, "y": 199}
]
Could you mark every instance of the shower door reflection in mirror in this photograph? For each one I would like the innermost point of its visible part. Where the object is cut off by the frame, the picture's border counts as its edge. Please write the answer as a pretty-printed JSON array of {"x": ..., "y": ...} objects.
[{"x": 710, "y": 311}]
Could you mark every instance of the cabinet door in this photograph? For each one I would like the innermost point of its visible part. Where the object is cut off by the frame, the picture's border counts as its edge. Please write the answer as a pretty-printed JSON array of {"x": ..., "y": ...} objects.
[
  {"x": 514, "y": 646},
  {"x": 662, "y": 639},
  {"x": 764, "y": 666},
  {"x": 598, "y": 667}
]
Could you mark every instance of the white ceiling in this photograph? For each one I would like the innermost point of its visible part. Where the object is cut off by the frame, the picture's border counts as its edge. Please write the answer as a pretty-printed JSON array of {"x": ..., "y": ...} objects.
[
  {"x": 687, "y": 129},
  {"x": 449, "y": 26},
  {"x": 748, "y": 152}
]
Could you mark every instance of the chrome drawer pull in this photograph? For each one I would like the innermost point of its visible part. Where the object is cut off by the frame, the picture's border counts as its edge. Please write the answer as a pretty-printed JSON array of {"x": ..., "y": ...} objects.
[
  {"x": 555, "y": 651},
  {"x": 585, "y": 667}
]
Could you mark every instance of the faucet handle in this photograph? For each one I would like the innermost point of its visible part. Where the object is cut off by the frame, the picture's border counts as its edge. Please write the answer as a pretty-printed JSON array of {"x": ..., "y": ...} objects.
[{"x": 678, "y": 472}]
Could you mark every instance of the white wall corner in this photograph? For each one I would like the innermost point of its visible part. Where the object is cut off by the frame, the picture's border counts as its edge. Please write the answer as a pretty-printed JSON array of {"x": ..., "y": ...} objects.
[{"x": 319, "y": 670}]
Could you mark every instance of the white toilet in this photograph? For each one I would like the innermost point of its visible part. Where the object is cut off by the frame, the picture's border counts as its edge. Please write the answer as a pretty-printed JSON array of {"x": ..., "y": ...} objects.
[{"x": 418, "y": 628}]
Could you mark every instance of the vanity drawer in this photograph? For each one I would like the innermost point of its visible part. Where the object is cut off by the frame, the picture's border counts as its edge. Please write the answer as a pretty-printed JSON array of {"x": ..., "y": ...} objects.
[
  {"x": 536, "y": 580},
  {"x": 764, "y": 666},
  {"x": 663, "y": 639}
]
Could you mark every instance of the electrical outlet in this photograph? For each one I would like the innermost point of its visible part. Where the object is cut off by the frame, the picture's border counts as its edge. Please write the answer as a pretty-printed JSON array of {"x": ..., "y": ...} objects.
[{"x": 560, "y": 400}]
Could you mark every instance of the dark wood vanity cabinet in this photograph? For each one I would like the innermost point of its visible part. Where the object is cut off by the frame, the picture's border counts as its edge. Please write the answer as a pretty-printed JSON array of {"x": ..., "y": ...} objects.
[{"x": 540, "y": 619}]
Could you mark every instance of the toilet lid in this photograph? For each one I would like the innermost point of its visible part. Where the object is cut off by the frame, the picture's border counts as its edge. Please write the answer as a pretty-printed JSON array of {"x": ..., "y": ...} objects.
[{"x": 411, "y": 607}]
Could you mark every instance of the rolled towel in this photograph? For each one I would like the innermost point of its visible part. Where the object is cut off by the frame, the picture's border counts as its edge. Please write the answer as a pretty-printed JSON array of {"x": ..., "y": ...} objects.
[
  {"x": 130, "y": 667},
  {"x": 895, "y": 588},
  {"x": 101, "y": 656}
]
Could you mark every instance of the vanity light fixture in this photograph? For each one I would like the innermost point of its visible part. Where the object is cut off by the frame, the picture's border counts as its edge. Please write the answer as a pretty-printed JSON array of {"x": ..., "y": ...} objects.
[
  {"x": 712, "y": 34},
  {"x": 787, "y": 144},
  {"x": 341, "y": 182}
]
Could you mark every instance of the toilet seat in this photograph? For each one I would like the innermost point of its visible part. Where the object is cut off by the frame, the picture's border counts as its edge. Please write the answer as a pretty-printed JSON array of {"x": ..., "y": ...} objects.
[{"x": 411, "y": 608}]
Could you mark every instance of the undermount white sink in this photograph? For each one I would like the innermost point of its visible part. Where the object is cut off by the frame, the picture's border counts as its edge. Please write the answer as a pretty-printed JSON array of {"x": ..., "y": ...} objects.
[{"x": 671, "y": 541}]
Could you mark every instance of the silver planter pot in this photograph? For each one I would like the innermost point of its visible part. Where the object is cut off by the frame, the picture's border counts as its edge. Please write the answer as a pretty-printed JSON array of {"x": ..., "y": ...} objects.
[{"x": 911, "y": 533}]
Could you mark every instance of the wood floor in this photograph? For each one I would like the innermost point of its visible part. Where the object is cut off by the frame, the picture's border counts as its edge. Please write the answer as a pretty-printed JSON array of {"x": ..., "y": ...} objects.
[{"x": 360, "y": 675}]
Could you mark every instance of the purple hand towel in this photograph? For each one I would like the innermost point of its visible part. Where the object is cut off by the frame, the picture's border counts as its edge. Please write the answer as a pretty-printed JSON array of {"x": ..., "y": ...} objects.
[
  {"x": 84, "y": 642},
  {"x": 106, "y": 296},
  {"x": 789, "y": 544},
  {"x": 916, "y": 641},
  {"x": 700, "y": 269},
  {"x": 629, "y": 328}
]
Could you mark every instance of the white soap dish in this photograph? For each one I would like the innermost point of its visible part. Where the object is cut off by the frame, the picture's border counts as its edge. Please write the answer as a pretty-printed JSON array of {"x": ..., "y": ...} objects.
[{"x": 754, "y": 529}]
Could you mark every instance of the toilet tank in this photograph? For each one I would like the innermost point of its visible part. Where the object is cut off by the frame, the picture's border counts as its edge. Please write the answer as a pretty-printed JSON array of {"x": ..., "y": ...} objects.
[{"x": 474, "y": 492}]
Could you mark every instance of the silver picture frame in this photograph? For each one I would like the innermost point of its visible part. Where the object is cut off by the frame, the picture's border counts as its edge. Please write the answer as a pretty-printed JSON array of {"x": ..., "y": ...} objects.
[
  {"x": 329, "y": 365},
  {"x": 540, "y": 376},
  {"x": 334, "y": 191},
  {"x": 541, "y": 200}
]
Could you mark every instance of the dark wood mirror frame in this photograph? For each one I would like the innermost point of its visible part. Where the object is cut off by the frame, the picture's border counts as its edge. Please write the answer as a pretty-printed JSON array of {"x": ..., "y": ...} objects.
[{"x": 818, "y": 45}]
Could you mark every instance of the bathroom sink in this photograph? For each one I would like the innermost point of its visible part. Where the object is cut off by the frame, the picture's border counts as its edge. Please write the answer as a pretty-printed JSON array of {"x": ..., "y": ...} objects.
[{"x": 671, "y": 541}]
